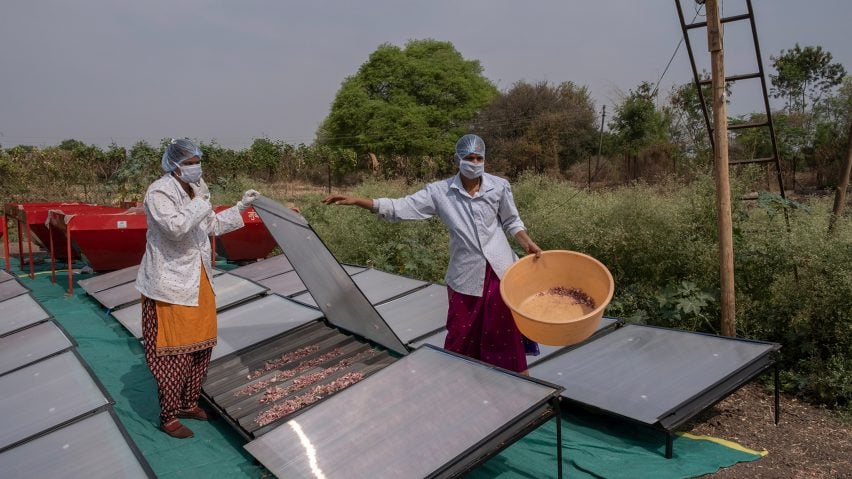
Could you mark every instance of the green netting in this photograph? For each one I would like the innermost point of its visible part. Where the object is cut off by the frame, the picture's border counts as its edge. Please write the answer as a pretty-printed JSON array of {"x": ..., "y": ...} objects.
[
  {"x": 597, "y": 446},
  {"x": 594, "y": 446}
]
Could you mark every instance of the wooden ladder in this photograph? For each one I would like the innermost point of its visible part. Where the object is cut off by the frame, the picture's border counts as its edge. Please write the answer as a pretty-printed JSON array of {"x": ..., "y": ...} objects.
[{"x": 699, "y": 83}]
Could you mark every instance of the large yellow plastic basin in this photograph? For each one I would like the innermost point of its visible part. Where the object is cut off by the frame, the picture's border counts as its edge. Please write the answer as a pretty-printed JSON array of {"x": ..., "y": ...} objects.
[{"x": 530, "y": 276}]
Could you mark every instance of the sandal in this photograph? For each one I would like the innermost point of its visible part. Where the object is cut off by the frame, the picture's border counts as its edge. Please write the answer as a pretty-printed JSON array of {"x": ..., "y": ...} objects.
[
  {"x": 177, "y": 430},
  {"x": 194, "y": 413}
]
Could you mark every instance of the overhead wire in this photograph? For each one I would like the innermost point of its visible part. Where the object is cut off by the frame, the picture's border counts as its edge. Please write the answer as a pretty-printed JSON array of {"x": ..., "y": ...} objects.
[
  {"x": 545, "y": 213},
  {"x": 677, "y": 48}
]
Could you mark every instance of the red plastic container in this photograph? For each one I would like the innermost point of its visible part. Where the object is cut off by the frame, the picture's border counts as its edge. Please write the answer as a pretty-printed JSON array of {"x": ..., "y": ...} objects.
[
  {"x": 34, "y": 216},
  {"x": 109, "y": 239},
  {"x": 250, "y": 242}
]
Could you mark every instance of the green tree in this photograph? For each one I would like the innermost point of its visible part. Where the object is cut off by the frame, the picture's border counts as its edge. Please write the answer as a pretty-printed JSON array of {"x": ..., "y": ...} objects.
[
  {"x": 639, "y": 126},
  {"x": 91, "y": 159},
  {"x": 688, "y": 127},
  {"x": 335, "y": 161},
  {"x": 7, "y": 172},
  {"x": 71, "y": 145},
  {"x": 139, "y": 168},
  {"x": 411, "y": 101},
  {"x": 20, "y": 150},
  {"x": 539, "y": 126},
  {"x": 265, "y": 156},
  {"x": 221, "y": 164},
  {"x": 831, "y": 135},
  {"x": 804, "y": 75}
]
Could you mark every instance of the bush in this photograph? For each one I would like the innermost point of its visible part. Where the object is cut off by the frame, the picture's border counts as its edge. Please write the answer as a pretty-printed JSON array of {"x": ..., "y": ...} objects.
[
  {"x": 417, "y": 249},
  {"x": 798, "y": 289}
]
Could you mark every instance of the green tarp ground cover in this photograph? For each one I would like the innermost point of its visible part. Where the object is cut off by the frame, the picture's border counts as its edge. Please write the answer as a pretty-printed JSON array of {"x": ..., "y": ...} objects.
[
  {"x": 593, "y": 445},
  {"x": 597, "y": 446}
]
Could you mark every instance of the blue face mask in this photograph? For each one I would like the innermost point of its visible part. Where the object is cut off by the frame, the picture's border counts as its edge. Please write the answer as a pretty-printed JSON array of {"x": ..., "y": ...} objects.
[
  {"x": 471, "y": 170},
  {"x": 190, "y": 173}
]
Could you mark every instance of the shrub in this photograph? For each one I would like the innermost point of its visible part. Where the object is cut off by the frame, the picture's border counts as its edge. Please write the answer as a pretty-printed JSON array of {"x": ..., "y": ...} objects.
[{"x": 417, "y": 249}]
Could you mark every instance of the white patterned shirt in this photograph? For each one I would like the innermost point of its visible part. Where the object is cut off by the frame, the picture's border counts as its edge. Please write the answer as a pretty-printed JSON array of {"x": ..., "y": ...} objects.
[
  {"x": 178, "y": 242},
  {"x": 476, "y": 225}
]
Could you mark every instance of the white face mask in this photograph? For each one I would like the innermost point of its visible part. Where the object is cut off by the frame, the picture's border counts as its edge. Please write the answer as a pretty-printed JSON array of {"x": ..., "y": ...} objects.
[
  {"x": 190, "y": 173},
  {"x": 470, "y": 169}
]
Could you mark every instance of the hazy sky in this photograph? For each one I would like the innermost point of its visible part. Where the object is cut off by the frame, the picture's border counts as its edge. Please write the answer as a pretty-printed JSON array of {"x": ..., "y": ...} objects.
[{"x": 124, "y": 71}]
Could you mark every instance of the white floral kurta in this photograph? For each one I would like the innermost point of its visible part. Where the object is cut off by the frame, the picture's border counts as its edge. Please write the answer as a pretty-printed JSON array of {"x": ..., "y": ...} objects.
[{"x": 178, "y": 242}]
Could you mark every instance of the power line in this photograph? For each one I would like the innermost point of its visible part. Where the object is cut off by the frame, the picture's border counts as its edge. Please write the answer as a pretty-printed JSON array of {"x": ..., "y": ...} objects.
[{"x": 679, "y": 43}]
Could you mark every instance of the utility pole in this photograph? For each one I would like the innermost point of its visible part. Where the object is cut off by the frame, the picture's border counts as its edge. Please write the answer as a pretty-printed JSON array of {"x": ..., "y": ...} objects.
[
  {"x": 600, "y": 145},
  {"x": 840, "y": 195},
  {"x": 720, "y": 157}
]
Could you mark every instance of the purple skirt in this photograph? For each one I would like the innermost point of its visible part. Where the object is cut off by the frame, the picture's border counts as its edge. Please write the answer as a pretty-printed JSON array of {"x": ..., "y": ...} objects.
[{"x": 483, "y": 328}]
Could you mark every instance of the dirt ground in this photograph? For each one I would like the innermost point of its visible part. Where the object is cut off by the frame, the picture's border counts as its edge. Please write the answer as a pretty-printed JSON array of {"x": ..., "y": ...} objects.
[{"x": 809, "y": 442}]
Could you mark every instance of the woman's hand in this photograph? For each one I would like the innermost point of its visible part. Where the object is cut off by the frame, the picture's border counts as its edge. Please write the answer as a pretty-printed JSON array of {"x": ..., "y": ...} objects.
[
  {"x": 532, "y": 248},
  {"x": 527, "y": 243},
  {"x": 339, "y": 200},
  {"x": 248, "y": 198},
  {"x": 200, "y": 190},
  {"x": 365, "y": 203}
]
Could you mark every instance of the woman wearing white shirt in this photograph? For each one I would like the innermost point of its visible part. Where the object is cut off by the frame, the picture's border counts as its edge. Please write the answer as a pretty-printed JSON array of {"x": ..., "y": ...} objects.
[
  {"x": 479, "y": 211},
  {"x": 178, "y": 302}
]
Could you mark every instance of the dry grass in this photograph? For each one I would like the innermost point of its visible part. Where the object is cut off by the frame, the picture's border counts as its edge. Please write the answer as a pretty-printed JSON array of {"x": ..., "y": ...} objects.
[{"x": 808, "y": 442}]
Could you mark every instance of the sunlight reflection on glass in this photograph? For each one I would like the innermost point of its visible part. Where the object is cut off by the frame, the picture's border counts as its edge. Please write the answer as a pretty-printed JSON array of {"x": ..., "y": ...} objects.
[{"x": 310, "y": 451}]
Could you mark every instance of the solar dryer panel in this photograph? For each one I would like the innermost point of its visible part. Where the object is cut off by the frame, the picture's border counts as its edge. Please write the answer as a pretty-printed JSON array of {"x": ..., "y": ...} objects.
[
  {"x": 31, "y": 344},
  {"x": 312, "y": 347},
  {"x": 380, "y": 286},
  {"x": 19, "y": 312},
  {"x": 645, "y": 373},
  {"x": 285, "y": 284},
  {"x": 125, "y": 293},
  {"x": 131, "y": 318},
  {"x": 426, "y": 414},
  {"x": 230, "y": 290},
  {"x": 236, "y": 366},
  {"x": 273, "y": 389},
  {"x": 343, "y": 304},
  {"x": 352, "y": 269},
  {"x": 4, "y": 276},
  {"x": 117, "y": 296},
  {"x": 45, "y": 394},
  {"x": 254, "y": 321},
  {"x": 547, "y": 351},
  {"x": 91, "y": 448},
  {"x": 418, "y": 313},
  {"x": 10, "y": 289},
  {"x": 437, "y": 340},
  {"x": 289, "y": 284},
  {"x": 109, "y": 280},
  {"x": 376, "y": 285},
  {"x": 263, "y": 269}
]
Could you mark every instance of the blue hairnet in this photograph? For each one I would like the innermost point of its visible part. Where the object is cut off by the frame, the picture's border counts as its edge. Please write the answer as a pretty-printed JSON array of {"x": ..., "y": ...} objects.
[
  {"x": 469, "y": 144},
  {"x": 177, "y": 151}
]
